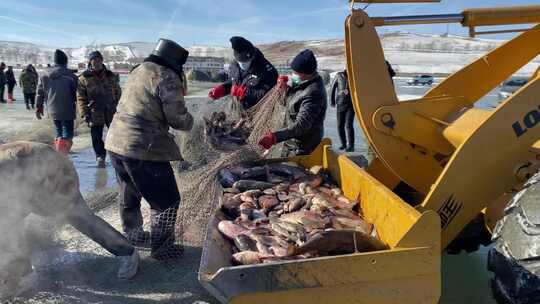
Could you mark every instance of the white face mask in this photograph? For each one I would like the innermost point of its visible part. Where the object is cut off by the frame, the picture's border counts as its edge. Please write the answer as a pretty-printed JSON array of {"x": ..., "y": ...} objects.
[{"x": 244, "y": 65}]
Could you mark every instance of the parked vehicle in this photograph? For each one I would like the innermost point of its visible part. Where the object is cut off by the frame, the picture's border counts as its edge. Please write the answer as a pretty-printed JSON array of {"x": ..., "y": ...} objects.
[
  {"x": 421, "y": 80},
  {"x": 511, "y": 85}
]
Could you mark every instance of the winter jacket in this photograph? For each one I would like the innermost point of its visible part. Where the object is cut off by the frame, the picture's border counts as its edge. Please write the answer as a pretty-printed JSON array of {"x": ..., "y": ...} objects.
[
  {"x": 152, "y": 101},
  {"x": 29, "y": 81},
  {"x": 306, "y": 111},
  {"x": 10, "y": 78},
  {"x": 2, "y": 78},
  {"x": 341, "y": 96},
  {"x": 98, "y": 96},
  {"x": 259, "y": 79},
  {"x": 58, "y": 88}
]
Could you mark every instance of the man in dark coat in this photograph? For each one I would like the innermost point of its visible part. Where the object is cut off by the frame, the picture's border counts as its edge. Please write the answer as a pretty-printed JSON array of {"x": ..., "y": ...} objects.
[
  {"x": 306, "y": 108},
  {"x": 58, "y": 87},
  {"x": 341, "y": 98},
  {"x": 2, "y": 82},
  {"x": 251, "y": 76},
  {"x": 141, "y": 147},
  {"x": 11, "y": 82},
  {"x": 98, "y": 93},
  {"x": 28, "y": 82}
]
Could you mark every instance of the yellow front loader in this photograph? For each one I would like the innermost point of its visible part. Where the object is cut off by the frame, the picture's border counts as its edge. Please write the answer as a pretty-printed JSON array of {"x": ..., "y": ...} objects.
[{"x": 461, "y": 161}]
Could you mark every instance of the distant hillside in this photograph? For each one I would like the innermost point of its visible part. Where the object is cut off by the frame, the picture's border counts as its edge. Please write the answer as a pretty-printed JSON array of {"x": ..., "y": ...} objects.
[{"x": 408, "y": 53}]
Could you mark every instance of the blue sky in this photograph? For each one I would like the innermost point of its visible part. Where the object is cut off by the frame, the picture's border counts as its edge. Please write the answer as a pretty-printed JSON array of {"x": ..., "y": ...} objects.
[{"x": 70, "y": 23}]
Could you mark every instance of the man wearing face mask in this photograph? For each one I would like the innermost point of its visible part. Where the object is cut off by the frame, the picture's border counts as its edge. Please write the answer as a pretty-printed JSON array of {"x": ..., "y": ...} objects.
[
  {"x": 251, "y": 76},
  {"x": 306, "y": 108},
  {"x": 98, "y": 93}
]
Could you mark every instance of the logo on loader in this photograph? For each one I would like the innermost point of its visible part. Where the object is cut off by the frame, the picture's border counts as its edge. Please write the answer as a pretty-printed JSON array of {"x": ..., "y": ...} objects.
[
  {"x": 530, "y": 120},
  {"x": 448, "y": 211}
]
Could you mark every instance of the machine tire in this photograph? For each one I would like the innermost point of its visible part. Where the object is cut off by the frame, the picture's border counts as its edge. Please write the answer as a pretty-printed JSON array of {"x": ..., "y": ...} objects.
[{"x": 515, "y": 258}]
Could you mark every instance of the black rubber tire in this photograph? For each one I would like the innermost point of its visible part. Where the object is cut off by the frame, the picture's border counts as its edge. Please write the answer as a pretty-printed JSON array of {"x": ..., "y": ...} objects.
[
  {"x": 472, "y": 236},
  {"x": 515, "y": 258}
]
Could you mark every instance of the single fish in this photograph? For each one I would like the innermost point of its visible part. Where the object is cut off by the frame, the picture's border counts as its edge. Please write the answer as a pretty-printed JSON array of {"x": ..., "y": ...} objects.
[
  {"x": 246, "y": 211},
  {"x": 226, "y": 178},
  {"x": 230, "y": 229},
  {"x": 294, "y": 204},
  {"x": 245, "y": 243},
  {"x": 254, "y": 173},
  {"x": 268, "y": 202},
  {"x": 357, "y": 224},
  {"x": 270, "y": 192},
  {"x": 247, "y": 258},
  {"x": 244, "y": 185},
  {"x": 335, "y": 242},
  {"x": 281, "y": 187}
]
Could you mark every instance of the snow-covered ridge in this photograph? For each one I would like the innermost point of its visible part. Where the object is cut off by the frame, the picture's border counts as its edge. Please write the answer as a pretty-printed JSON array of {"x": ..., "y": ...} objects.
[{"x": 408, "y": 52}]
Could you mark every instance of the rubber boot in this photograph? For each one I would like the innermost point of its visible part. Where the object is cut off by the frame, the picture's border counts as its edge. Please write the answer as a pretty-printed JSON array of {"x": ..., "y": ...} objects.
[{"x": 64, "y": 146}]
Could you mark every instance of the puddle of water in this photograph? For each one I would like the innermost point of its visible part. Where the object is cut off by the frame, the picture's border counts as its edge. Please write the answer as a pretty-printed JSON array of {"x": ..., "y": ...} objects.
[{"x": 92, "y": 178}]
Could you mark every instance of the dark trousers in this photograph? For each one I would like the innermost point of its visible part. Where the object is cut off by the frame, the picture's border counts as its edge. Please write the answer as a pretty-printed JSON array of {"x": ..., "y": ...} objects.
[
  {"x": 97, "y": 141},
  {"x": 2, "y": 89},
  {"x": 10, "y": 88},
  {"x": 30, "y": 99},
  {"x": 345, "y": 120},
  {"x": 94, "y": 227},
  {"x": 155, "y": 182},
  {"x": 64, "y": 129}
]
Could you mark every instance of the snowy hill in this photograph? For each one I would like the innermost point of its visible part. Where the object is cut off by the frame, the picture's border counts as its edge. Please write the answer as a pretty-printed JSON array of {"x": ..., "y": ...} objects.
[{"x": 408, "y": 53}]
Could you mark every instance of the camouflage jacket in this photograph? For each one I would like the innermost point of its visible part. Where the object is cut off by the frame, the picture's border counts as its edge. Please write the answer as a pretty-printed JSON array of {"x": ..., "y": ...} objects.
[
  {"x": 151, "y": 103},
  {"x": 28, "y": 81},
  {"x": 97, "y": 97}
]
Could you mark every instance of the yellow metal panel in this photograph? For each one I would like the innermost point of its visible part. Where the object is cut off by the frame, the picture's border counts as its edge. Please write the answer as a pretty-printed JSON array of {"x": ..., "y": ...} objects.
[
  {"x": 465, "y": 125},
  {"x": 380, "y": 172},
  {"x": 484, "y": 166},
  {"x": 398, "y": 276},
  {"x": 420, "y": 121},
  {"x": 371, "y": 88},
  {"x": 502, "y": 15}
]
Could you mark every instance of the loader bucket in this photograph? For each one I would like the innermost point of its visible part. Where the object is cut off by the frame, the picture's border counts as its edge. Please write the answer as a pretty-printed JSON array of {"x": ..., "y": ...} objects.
[{"x": 408, "y": 272}]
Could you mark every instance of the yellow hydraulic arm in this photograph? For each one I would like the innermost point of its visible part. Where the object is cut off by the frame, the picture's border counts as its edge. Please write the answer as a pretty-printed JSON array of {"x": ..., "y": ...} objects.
[{"x": 460, "y": 157}]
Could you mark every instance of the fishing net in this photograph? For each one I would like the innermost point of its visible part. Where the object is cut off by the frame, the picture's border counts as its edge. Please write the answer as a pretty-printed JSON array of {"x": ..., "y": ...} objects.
[{"x": 197, "y": 174}]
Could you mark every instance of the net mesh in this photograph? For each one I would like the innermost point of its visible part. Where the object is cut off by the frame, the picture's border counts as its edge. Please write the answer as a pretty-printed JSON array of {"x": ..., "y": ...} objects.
[{"x": 197, "y": 174}]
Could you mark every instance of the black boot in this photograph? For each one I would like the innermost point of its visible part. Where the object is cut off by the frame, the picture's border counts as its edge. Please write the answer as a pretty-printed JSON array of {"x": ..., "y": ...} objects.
[
  {"x": 350, "y": 149},
  {"x": 342, "y": 147},
  {"x": 27, "y": 106}
]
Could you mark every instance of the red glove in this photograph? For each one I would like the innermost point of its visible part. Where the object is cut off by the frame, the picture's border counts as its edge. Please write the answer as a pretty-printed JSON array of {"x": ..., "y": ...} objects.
[
  {"x": 282, "y": 82},
  {"x": 217, "y": 92},
  {"x": 239, "y": 91},
  {"x": 39, "y": 112},
  {"x": 268, "y": 140}
]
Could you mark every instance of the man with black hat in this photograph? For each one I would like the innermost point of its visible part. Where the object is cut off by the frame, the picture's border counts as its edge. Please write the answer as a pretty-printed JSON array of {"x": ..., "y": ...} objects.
[
  {"x": 98, "y": 94},
  {"x": 141, "y": 148},
  {"x": 58, "y": 87},
  {"x": 251, "y": 76},
  {"x": 306, "y": 108}
]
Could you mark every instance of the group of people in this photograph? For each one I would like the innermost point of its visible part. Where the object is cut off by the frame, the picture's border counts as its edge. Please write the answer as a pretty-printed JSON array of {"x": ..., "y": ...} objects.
[{"x": 139, "y": 118}]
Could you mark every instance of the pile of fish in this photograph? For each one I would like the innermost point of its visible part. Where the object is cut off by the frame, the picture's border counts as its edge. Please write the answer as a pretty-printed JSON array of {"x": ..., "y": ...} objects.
[
  {"x": 280, "y": 211},
  {"x": 224, "y": 134}
]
